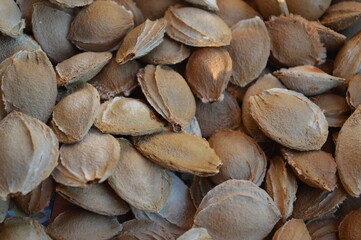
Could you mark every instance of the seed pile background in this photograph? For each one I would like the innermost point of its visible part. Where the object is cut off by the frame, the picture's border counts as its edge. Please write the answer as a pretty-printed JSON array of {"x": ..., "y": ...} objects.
[{"x": 181, "y": 119}]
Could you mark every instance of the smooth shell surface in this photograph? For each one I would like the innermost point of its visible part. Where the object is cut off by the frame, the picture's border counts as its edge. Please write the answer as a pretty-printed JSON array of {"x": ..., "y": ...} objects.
[
  {"x": 127, "y": 116},
  {"x": 293, "y": 229},
  {"x": 97, "y": 198},
  {"x": 23, "y": 169},
  {"x": 9, "y": 46},
  {"x": 28, "y": 85},
  {"x": 141, "y": 40},
  {"x": 74, "y": 115},
  {"x": 181, "y": 152},
  {"x": 16, "y": 228},
  {"x": 354, "y": 88},
  {"x": 208, "y": 73},
  {"x": 100, "y": 26},
  {"x": 91, "y": 160},
  {"x": 237, "y": 209},
  {"x": 11, "y": 23},
  {"x": 349, "y": 228},
  {"x": 309, "y": 9},
  {"x": 81, "y": 67},
  {"x": 218, "y": 115},
  {"x": 249, "y": 49},
  {"x": 82, "y": 225},
  {"x": 264, "y": 83},
  {"x": 308, "y": 80},
  {"x": 196, "y": 27},
  {"x": 290, "y": 119},
  {"x": 281, "y": 185},
  {"x": 300, "y": 46},
  {"x": 138, "y": 181},
  {"x": 315, "y": 168},
  {"x": 241, "y": 157},
  {"x": 196, "y": 234},
  {"x": 50, "y": 25},
  {"x": 348, "y": 148},
  {"x": 175, "y": 104},
  {"x": 72, "y": 3}
]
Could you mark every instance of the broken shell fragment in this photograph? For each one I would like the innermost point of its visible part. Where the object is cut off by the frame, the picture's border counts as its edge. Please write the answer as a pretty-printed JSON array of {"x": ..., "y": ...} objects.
[
  {"x": 115, "y": 79},
  {"x": 98, "y": 198},
  {"x": 196, "y": 27},
  {"x": 281, "y": 185},
  {"x": 348, "y": 148},
  {"x": 237, "y": 209},
  {"x": 348, "y": 59},
  {"x": 23, "y": 169},
  {"x": 82, "y": 225},
  {"x": 127, "y": 116},
  {"x": 293, "y": 229},
  {"x": 208, "y": 73},
  {"x": 81, "y": 67},
  {"x": 334, "y": 107},
  {"x": 16, "y": 228},
  {"x": 353, "y": 91},
  {"x": 218, "y": 115},
  {"x": 315, "y": 168},
  {"x": 28, "y": 85},
  {"x": 182, "y": 152},
  {"x": 50, "y": 25},
  {"x": 241, "y": 157},
  {"x": 249, "y": 49},
  {"x": 91, "y": 160},
  {"x": 308, "y": 80},
  {"x": 175, "y": 104},
  {"x": 100, "y": 26},
  {"x": 295, "y": 42},
  {"x": 138, "y": 181},
  {"x": 37, "y": 200},
  {"x": 167, "y": 53},
  {"x": 264, "y": 83},
  {"x": 11, "y": 23},
  {"x": 290, "y": 119},
  {"x": 141, "y": 40},
  {"x": 74, "y": 115}
]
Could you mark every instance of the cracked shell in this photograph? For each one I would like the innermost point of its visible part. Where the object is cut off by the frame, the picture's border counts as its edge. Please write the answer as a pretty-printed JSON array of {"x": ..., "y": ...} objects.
[{"x": 23, "y": 169}]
